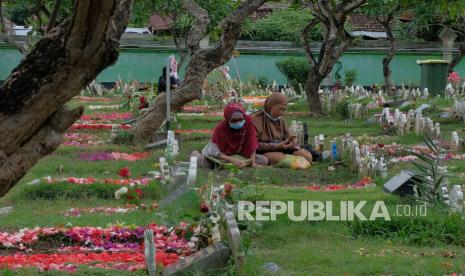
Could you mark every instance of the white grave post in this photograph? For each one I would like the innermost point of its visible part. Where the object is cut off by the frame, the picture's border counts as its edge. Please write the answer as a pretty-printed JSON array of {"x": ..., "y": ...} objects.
[
  {"x": 456, "y": 199},
  {"x": 150, "y": 252},
  {"x": 356, "y": 160},
  {"x": 445, "y": 195},
  {"x": 114, "y": 131},
  {"x": 454, "y": 141},
  {"x": 192, "y": 173},
  {"x": 410, "y": 120},
  {"x": 164, "y": 169},
  {"x": 381, "y": 168},
  {"x": 437, "y": 129},
  {"x": 425, "y": 93}
]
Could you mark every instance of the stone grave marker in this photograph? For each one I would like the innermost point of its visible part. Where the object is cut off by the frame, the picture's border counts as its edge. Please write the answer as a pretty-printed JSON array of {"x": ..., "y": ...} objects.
[
  {"x": 207, "y": 259},
  {"x": 149, "y": 252},
  {"x": 235, "y": 241},
  {"x": 401, "y": 184},
  {"x": 456, "y": 199}
]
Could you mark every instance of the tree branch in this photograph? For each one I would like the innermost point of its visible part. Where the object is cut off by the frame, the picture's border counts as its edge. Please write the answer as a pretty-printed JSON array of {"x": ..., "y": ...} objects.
[
  {"x": 457, "y": 58},
  {"x": 41, "y": 8},
  {"x": 32, "y": 113},
  {"x": 40, "y": 85},
  {"x": 44, "y": 142},
  {"x": 200, "y": 26},
  {"x": 304, "y": 38},
  {"x": 54, "y": 15},
  {"x": 351, "y": 5},
  {"x": 202, "y": 62}
]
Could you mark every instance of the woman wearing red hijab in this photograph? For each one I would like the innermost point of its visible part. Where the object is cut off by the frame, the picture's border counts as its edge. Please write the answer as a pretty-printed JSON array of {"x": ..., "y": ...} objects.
[{"x": 235, "y": 135}]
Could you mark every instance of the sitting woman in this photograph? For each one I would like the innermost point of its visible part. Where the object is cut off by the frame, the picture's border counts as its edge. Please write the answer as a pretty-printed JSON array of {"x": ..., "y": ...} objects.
[
  {"x": 274, "y": 138},
  {"x": 235, "y": 135}
]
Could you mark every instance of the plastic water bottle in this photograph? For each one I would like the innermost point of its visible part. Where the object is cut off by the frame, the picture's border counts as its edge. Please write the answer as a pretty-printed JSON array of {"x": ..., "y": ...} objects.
[{"x": 334, "y": 150}]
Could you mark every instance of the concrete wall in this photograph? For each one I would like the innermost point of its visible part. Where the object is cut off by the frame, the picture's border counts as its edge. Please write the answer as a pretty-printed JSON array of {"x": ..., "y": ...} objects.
[{"x": 258, "y": 59}]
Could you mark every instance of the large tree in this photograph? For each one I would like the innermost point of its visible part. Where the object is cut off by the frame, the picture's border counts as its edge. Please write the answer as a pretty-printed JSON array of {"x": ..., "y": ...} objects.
[
  {"x": 33, "y": 114},
  {"x": 202, "y": 62},
  {"x": 385, "y": 12},
  {"x": 181, "y": 19},
  {"x": 331, "y": 16}
]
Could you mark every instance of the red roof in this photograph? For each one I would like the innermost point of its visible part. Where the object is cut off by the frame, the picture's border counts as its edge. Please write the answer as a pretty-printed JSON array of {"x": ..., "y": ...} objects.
[
  {"x": 406, "y": 16},
  {"x": 362, "y": 22},
  {"x": 157, "y": 22}
]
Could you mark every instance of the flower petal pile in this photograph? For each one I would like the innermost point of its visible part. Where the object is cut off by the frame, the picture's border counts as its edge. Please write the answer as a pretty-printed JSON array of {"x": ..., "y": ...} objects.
[
  {"x": 363, "y": 183},
  {"x": 131, "y": 261},
  {"x": 95, "y": 107},
  {"x": 108, "y": 116},
  {"x": 76, "y": 212},
  {"x": 96, "y": 127},
  {"x": 91, "y": 180},
  {"x": 95, "y": 237},
  {"x": 81, "y": 139},
  {"x": 103, "y": 156}
]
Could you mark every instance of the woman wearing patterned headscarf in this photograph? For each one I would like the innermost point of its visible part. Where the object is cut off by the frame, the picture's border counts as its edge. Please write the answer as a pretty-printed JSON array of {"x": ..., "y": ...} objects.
[{"x": 273, "y": 133}]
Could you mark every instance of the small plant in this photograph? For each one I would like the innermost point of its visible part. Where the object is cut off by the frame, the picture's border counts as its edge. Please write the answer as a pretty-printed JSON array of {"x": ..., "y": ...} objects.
[
  {"x": 263, "y": 81},
  {"x": 350, "y": 76},
  {"x": 430, "y": 174},
  {"x": 123, "y": 138},
  {"x": 295, "y": 69},
  {"x": 342, "y": 108}
]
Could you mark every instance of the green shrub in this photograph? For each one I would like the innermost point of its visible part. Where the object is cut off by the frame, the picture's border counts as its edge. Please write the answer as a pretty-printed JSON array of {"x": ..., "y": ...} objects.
[
  {"x": 342, "y": 108},
  {"x": 432, "y": 230},
  {"x": 295, "y": 69},
  {"x": 284, "y": 25},
  {"x": 73, "y": 191},
  {"x": 350, "y": 76},
  {"x": 123, "y": 138},
  {"x": 263, "y": 81}
]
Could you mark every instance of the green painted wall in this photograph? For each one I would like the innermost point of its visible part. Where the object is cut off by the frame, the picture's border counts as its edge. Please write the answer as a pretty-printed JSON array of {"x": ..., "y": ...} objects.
[{"x": 145, "y": 65}]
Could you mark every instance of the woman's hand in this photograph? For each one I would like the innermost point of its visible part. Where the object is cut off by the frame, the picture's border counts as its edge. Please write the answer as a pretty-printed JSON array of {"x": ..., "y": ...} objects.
[
  {"x": 238, "y": 163},
  {"x": 254, "y": 165},
  {"x": 286, "y": 144}
]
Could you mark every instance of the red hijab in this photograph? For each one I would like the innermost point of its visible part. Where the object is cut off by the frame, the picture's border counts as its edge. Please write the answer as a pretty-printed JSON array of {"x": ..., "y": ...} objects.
[{"x": 243, "y": 141}]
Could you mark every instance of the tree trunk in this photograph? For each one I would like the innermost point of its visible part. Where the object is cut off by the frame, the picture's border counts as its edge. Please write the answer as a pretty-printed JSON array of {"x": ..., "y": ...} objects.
[
  {"x": 181, "y": 52},
  {"x": 336, "y": 40},
  {"x": 202, "y": 62},
  {"x": 33, "y": 115},
  {"x": 53, "y": 17},
  {"x": 389, "y": 56},
  {"x": 457, "y": 58},
  {"x": 312, "y": 86}
]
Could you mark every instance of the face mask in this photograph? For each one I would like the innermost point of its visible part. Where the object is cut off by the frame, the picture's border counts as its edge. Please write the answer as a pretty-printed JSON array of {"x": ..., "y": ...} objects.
[
  {"x": 271, "y": 117},
  {"x": 237, "y": 125}
]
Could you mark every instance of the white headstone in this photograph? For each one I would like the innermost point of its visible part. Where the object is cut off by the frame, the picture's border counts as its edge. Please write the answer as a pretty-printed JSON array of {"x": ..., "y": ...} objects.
[
  {"x": 454, "y": 141},
  {"x": 456, "y": 199},
  {"x": 192, "y": 174}
]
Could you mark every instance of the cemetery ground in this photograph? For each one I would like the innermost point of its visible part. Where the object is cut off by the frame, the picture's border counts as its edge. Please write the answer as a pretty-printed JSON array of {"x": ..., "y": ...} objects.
[{"x": 430, "y": 245}]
